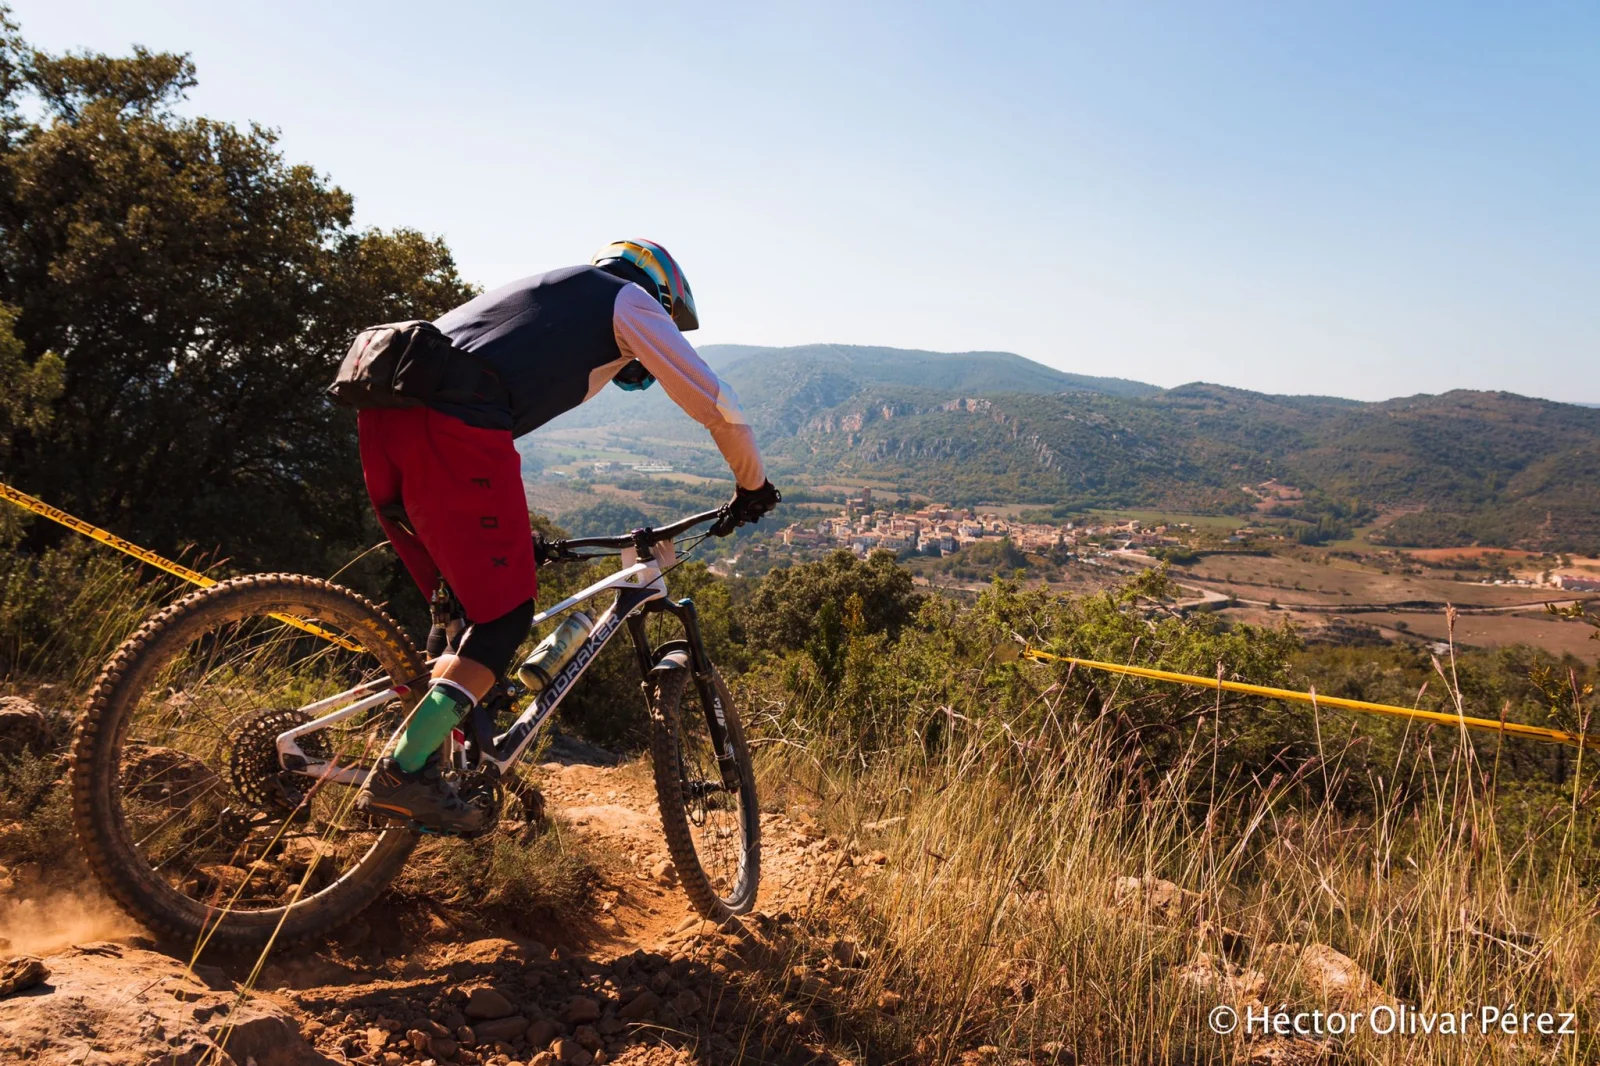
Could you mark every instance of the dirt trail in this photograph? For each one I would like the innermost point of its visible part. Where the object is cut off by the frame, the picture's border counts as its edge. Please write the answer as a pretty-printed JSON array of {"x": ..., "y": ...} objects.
[
  {"x": 641, "y": 980},
  {"x": 615, "y": 807},
  {"x": 637, "y": 977}
]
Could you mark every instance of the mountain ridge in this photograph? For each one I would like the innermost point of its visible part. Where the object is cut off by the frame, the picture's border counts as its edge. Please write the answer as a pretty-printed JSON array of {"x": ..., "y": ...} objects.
[
  {"x": 993, "y": 370},
  {"x": 1454, "y": 468}
]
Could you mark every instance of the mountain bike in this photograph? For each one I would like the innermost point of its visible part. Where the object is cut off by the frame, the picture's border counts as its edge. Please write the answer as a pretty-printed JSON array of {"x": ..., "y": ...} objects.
[{"x": 215, "y": 769}]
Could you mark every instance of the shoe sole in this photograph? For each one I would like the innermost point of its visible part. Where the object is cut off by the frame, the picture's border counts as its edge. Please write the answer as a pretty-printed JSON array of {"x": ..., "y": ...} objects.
[{"x": 401, "y": 816}]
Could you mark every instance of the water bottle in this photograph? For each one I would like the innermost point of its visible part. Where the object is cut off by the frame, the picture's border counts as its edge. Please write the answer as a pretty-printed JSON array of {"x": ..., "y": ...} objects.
[{"x": 555, "y": 652}]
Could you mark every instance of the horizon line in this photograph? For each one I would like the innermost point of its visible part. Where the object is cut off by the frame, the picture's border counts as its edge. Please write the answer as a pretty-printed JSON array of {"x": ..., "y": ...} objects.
[{"x": 1137, "y": 381}]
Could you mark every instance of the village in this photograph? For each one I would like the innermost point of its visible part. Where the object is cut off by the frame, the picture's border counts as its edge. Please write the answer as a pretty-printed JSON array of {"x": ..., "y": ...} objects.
[
  {"x": 940, "y": 529},
  {"x": 864, "y": 525}
]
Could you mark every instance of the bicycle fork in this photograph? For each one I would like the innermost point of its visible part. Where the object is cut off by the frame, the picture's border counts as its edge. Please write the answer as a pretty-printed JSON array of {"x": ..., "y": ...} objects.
[{"x": 700, "y": 672}]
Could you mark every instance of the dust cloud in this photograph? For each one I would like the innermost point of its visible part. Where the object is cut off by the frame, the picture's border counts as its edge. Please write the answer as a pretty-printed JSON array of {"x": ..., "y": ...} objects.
[{"x": 57, "y": 919}]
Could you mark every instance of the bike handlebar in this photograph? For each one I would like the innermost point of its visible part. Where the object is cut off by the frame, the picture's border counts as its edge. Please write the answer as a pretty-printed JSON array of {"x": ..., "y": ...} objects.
[{"x": 556, "y": 550}]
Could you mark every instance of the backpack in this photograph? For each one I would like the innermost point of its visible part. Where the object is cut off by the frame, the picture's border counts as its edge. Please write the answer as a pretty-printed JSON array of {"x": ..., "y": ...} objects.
[{"x": 404, "y": 364}]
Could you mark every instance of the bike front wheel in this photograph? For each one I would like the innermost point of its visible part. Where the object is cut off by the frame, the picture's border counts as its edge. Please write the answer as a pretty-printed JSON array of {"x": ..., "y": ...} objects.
[
  {"x": 181, "y": 804},
  {"x": 708, "y": 806}
]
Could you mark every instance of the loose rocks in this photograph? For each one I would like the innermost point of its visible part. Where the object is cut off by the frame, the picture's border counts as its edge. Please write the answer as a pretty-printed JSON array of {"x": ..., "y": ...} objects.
[
  {"x": 21, "y": 974},
  {"x": 487, "y": 1002},
  {"x": 644, "y": 1005},
  {"x": 582, "y": 1009},
  {"x": 22, "y": 727},
  {"x": 501, "y": 1029}
]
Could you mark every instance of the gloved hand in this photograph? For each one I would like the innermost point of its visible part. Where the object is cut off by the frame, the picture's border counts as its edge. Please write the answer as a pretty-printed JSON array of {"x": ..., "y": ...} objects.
[{"x": 747, "y": 505}]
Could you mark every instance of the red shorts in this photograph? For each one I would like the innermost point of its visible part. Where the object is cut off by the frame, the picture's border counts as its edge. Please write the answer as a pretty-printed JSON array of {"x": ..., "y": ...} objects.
[{"x": 462, "y": 490}]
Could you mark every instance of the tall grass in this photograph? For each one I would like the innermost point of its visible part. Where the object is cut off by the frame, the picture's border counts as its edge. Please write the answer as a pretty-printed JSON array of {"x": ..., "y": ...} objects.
[
  {"x": 64, "y": 610},
  {"x": 1004, "y": 917}
]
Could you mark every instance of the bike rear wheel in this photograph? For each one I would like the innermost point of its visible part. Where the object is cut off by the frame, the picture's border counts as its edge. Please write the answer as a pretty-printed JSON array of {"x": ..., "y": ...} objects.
[
  {"x": 713, "y": 830},
  {"x": 179, "y": 801}
]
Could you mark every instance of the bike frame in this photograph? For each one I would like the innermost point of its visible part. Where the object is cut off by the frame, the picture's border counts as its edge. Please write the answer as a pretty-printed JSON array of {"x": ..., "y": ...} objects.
[{"x": 640, "y": 588}]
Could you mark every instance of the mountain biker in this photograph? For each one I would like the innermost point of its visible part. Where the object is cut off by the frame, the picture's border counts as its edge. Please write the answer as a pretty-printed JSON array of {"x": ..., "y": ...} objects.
[{"x": 554, "y": 340}]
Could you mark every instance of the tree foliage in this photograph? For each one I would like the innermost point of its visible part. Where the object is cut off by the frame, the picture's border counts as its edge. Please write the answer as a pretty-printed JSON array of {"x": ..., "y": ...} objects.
[
  {"x": 784, "y": 611},
  {"x": 28, "y": 388},
  {"x": 605, "y": 518},
  {"x": 198, "y": 290}
]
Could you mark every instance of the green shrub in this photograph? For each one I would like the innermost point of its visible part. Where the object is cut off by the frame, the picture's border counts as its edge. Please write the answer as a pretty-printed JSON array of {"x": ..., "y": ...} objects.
[
  {"x": 783, "y": 612},
  {"x": 35, "y": 812},
  {"x": 523, "y": 879}
]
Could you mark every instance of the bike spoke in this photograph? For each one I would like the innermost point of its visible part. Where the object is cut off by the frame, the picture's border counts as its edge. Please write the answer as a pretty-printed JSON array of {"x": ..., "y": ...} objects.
[
  {"x": 169, "y": 819},
  {"x": 184, "y": 732}
]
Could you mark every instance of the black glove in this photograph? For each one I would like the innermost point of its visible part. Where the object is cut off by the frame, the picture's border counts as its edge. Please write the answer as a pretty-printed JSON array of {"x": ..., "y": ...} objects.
[{"x": 747, "y": 505}]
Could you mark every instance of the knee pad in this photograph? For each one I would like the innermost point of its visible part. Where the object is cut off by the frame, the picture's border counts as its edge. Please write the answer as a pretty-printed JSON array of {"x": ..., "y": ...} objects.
[{"x": 492, "y": 644}]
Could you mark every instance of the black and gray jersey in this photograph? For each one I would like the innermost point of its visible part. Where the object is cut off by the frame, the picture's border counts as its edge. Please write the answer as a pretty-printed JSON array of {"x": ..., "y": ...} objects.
[{"x": 556, "y": 339}]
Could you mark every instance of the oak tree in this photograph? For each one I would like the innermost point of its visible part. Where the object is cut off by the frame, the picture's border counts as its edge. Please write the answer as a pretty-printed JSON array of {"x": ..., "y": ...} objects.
[{"x": 181, "y": 297}]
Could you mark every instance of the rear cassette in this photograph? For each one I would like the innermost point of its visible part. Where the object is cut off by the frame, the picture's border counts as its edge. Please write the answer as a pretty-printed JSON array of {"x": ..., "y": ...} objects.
[{"x": 254, "y": 773}]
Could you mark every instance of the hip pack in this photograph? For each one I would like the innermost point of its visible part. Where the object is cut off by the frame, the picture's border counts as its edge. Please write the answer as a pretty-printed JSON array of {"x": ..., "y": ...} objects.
[{"x": 404, "y": 364}]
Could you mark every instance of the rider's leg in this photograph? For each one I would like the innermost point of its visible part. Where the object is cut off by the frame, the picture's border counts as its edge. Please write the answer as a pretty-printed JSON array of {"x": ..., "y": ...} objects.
[
  {"x": 486, "y": 651},
  {"x": 461, "y": 487},
  {"x": 383, "y": 467}
]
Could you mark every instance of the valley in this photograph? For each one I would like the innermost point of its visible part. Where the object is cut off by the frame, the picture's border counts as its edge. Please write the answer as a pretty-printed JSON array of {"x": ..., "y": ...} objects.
[{"x": 1358, "y": 521}]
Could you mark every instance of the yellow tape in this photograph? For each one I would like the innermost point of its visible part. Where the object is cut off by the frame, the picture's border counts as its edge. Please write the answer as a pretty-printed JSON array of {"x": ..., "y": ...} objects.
[
  {"x": 145, "y": 555},
  {"x": 1516, "y": 729},
  {"x": 1487, "y": 725}
]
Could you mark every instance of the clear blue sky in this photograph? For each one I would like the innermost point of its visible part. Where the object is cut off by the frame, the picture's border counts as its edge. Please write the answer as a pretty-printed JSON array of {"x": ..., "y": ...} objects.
[{"x": 1361, "y": 199}]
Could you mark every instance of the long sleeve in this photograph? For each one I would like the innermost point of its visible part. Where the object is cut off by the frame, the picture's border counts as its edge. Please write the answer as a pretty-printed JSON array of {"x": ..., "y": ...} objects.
[{"x": 645, "y": 332}]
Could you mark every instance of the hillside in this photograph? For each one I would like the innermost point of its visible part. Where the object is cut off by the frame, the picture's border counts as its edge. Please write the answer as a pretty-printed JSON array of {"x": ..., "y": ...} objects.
[
  {"x": 954, "y": 371},
  {"x": 1455, "y": 469},
  {"x": 1105, "y": 863},
  {"x": 781, "y": 388},
  {"x": 1463, "y": 467}
]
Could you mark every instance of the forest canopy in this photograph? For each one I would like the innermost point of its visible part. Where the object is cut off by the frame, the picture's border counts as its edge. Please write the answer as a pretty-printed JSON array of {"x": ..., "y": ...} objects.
[{"x": 174, "y": 296}]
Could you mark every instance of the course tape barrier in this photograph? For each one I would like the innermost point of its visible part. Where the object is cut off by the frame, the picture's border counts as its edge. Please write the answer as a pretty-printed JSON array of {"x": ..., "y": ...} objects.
[
  {"x": 145, "y": 555},
  {"x": 1487, "y": 725}
]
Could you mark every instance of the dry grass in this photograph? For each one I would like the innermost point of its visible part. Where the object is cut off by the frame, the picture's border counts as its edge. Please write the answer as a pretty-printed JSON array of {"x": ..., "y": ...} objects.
[
  {"x": 63, "y": 612},
  {"x": 998, "y": 917},
  {"x": 522, "y": 879}
]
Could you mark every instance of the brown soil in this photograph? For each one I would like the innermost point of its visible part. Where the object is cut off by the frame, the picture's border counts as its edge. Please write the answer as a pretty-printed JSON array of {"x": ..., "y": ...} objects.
[
  {"x": 638, "y": 978},
  {"x": 1340, "y": 582}
]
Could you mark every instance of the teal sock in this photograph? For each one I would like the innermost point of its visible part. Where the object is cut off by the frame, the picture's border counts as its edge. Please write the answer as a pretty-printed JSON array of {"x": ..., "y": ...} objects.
[{"x": 436, "y": 715}]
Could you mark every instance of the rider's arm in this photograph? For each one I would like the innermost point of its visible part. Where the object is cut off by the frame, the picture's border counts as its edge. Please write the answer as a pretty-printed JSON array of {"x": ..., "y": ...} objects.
[{"x": 645, "y": 332}]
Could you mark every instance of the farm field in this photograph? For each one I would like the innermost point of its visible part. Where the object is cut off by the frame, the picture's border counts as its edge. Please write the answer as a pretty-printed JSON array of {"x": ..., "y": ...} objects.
[
  {"x": 1555, "y": 636},
  {"x": 1330, "y": 592},
  {"x": 1449, "y": 556},
  {"x": 1322, "y": 579},
  {"x": 553, "y": 498},
  {"x": 1558, "y": 636}
]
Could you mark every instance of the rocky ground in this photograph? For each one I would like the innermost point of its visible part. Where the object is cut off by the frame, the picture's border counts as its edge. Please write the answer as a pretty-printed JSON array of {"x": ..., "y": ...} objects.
[
  {"x": 639, "y": 978},
  {"x": 633, "y": 977}
]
